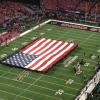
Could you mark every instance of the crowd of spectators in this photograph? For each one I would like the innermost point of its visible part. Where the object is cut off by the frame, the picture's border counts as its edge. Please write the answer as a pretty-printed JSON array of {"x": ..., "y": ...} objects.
[
  {"x": 61, "y": 14},
  {"x": 14, "y": 16},
  {"x": 73, "y": 11}
]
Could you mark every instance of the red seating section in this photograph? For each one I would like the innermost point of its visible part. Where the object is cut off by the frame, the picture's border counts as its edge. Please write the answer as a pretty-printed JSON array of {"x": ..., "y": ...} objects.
[
  {"x": 8, "y": 36},
  {"x": 50, "y": 4},
  {"x": 71, "y": 4},
  {"x": 10, "y": 10}
]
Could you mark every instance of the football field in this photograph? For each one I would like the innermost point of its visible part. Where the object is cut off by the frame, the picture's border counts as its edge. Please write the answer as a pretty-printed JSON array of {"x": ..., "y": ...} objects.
[{"x": 60, "y": 82}]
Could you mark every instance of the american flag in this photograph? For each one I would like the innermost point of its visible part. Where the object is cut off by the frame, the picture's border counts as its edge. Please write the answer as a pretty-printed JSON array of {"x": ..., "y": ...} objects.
[{"x": 41, "y": 54}]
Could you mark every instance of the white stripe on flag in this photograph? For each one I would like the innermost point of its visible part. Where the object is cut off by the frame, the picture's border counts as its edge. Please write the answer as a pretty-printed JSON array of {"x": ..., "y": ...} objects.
[
  {"x": 44, "y": 49},
  {"x": 50, "y": 50},
  {"x": 38, "y": 42},
  {"x": 47, "y": 57},
  {"x": 42, "y": 45},
  {"x": 55, "y": 57}
]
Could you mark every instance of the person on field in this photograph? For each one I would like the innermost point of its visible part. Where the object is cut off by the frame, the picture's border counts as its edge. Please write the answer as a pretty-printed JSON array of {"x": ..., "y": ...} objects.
[{"x": 77, "y": 68}]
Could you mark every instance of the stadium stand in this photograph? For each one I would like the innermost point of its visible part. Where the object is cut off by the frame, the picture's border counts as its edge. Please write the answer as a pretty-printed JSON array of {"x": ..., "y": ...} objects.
[
  {"x": 11, "y": 19},
  {"x": 21, "y": 15},
  {"x": 72, "y": 10},
  {"x": 7, "y": 36},
  {"x": 17, "y": 19},
  {"x": 18, "y": 16}
]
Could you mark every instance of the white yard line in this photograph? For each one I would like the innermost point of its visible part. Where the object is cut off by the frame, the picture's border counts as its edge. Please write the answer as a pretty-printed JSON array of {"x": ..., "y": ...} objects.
[
  {"x": 69, "y": 70},
  {"x": 62, "y": 79},
  {"x": 15, "y": 94},
  {"x": 85, "y": 40},
  {"x": 29, "y": 91},
  {"x": 5, "y": 72},
  {"x": 29, "y": 87},
  {"x": 51, "y": 83},
  {"x": 63, "y": 68},
  {"x": 77, "y": 37},
  {"x": 33, "y": 85},
  {"x": 43, "y": 80},
  {"x": 87, "y": 44}
]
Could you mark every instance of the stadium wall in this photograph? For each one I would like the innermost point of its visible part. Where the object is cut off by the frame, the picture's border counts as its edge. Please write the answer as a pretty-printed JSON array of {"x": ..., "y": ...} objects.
[{"x": 89, "y": 87}]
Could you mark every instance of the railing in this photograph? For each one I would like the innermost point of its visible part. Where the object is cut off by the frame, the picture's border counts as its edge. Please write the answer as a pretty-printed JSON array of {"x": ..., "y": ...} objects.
[
  {"x": 78, "y": 26},
  {"x": 89, "y": 87}
]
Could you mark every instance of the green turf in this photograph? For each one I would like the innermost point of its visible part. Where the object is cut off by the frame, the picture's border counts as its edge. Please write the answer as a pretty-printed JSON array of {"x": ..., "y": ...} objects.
[{"x": 38, "y": 86}]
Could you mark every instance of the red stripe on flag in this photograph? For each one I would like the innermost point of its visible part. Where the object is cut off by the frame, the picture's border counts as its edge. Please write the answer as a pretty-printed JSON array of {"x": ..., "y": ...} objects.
[
  {"x": 36, "y": 47},
  {"x": 22, "y": 50},
  {"x": 46, "y": 55},
  {"x": 49, "y": 51},
  {"x": 49, "y": 48},
  {"x": 51, "y": 57},
  {"x": 66, "y": 53},
  {"x": 43, "y": 46}
]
